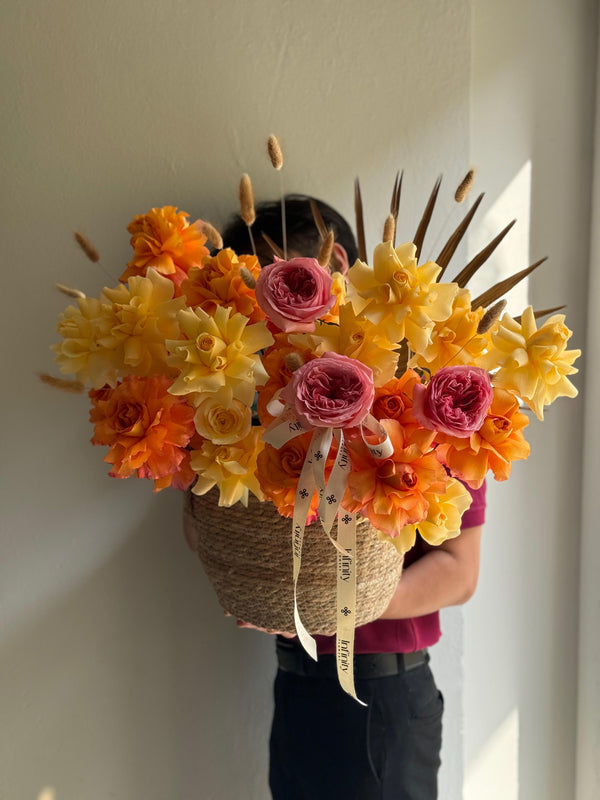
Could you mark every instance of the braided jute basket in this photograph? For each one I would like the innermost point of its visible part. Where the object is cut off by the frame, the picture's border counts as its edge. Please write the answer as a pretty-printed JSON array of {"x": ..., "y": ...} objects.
[{"x": 247, "y": 555}]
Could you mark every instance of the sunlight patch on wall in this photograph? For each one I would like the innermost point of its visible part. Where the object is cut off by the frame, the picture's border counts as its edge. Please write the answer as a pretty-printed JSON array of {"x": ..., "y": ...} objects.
[
  {"x": 494, "y": 773},
  {"x": 512, "y": 255}
]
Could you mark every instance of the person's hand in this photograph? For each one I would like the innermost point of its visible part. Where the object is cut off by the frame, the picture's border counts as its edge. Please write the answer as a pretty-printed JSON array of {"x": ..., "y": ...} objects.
[{"x": 241, "y": 624}]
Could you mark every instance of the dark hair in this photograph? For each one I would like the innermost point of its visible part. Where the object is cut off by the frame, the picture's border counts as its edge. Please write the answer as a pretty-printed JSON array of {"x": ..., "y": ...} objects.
[{"x": 302, "y": 234}]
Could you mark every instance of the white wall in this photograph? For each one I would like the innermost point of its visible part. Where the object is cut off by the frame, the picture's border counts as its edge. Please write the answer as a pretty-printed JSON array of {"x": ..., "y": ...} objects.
[
  {"x": 533, "y": 74},
  {"x": 119, "y": 676}
]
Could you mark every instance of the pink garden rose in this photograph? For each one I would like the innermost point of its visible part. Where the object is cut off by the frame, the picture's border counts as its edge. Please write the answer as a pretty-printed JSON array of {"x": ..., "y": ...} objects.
[
  {"x": 331, "y": 391},
  {"x": 455, "y": 401},
  {"x": 294, "y": 293}
]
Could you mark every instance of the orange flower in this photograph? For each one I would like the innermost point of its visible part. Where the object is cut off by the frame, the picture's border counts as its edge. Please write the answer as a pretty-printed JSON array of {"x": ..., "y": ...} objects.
[
  {"x": 164, "y": 239},
  {"x": 278, "y": 371},
  {"x": 147, "y": 430},
  {"x": 494, "y": 446},
  {"x": 218, "y": 282},
  {"x": 391, "y": 491},
  {"x": 394, "y": 400},
  {"x": 278, "y": 472}
]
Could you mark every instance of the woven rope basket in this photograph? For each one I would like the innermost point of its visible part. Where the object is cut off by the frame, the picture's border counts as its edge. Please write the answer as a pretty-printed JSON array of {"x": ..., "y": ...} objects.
[{"x": 247, "y": 555}]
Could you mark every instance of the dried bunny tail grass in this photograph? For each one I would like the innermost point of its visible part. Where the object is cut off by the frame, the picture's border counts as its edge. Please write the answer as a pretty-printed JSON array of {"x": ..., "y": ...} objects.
[
  {"x": 213, "y": 235},
  {"x": 72, "y": 387},
  {"x": 293, "y": 361},
  {"x": 248, "y": 277},
  {"x": 69, "y": 291},
  {"x": 491, "y": 316},
  {"x": 87, "y": 247},
  {"x": 389, "y": 229},
  {"x": 326, "y": 249},
  {"x": 274, "y": 151},
  {"x": 247, "y": 211},
  {"x": 464, "y": 186}
]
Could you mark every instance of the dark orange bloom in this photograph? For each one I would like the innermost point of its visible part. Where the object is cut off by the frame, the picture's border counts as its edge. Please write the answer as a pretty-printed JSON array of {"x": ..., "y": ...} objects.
[
  {"x": 164, "y": 239},
  {"x": 147, "y": 430},
  {"x": 494, "y": 446},
  {"x": 218, "y": 282},
  {"x": 278, "y": 371},
  {"x": 278, "y": 472},
  {"x": 393, "y": 400},
  {"x": 391, "y": 491}
]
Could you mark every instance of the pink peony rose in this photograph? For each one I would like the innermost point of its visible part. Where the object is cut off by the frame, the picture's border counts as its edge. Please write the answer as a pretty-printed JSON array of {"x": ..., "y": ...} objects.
[
  {"x": 331, "y": 391},
  {"x": 293, "y": 294},
  {"x": 455, "y": 401}
]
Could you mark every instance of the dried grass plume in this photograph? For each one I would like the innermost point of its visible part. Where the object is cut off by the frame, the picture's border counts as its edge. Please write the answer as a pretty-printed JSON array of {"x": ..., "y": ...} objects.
[
  {"x": 87, "y": 247},
  {"x": 274, "y": 150}
]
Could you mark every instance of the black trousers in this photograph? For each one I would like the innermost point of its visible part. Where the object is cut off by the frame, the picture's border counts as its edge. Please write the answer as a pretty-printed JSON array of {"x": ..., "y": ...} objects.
[{"x": 325, "y": 745}]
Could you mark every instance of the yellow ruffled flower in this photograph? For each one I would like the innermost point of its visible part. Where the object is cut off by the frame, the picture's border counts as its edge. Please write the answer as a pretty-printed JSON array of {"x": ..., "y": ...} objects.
[
  {"x": 443, "y": 518},
  {"x": 121, "y": 333},
  {"x": 454, "y": 341},
  {"x": 146, "y": 313},
  {"x": 88, "y": 350},
  {"x": 222, "y": 419},
  {"x": 220, "y": 350},
  {"x": 338, "y": 288},
  {"x": 356, "y": 337},
  {"x": 401, "y": 296},
  {"x": 229, "y": 467},
  {"x": 534, "y": 363}
]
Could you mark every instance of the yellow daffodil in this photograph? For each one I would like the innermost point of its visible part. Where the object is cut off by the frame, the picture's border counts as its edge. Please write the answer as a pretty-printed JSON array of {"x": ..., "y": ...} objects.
[
  {"x": 88, "y": 350},
  {"x": 400, "y": 295},
  {"x": 146, "y": 313},
  {"x": 231, "y": 468},
  {"x": 443, "y": 518},
  {"x": 534, "y": 363},
  {"x": 454, "y": 341},
  {"x": 121, "y": 333},
  {"x": 356, "y": 337},
  {"x": 220, "y": 350}
]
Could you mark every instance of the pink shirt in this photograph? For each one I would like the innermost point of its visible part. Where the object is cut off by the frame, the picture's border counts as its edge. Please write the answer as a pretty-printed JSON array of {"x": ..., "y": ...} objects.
[{"x": 406, "y": 635}]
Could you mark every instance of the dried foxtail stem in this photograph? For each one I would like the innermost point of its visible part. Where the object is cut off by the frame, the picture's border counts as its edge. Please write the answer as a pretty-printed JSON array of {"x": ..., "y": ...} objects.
[
  {"x": 542, "y": 313},
  {"x": 277, "y": 251},
  {"x": 293, "y": 361},
  {"x": 455, "y": 239},
  {"x": 274, "y": 150},
  {"x": 502, "y": 287},
  {"x": 491, "y": 316},
  {"x": 69, "y": 291},
  {"x": 426, "y": 218},
  {"x": 326, "y": 249},
  {"x": 87, "y": 247},
  {"x": 389, "y": 229},
  {"x": 464, "y": 186},
  {"x": 465, "y": 275},
  {"x": 248, "y": 277},
  {"x": 72, "y": 387},
  {"x": 212, "y": 234},
  {"x": 360, "y": 222}
]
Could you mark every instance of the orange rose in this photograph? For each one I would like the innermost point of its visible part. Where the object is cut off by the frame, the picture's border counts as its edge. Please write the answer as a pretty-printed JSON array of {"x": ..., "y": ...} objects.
[
  {"x": 393, "y": 400},
  {"x": 218, "y": 282},
  {"x": 494, "y": 446},
  {"x": 278, "y": 472},
  {"x": 147, "y": 430},
  {"x": 164, "y": 239},
  {"x": 278, "y": 371}
]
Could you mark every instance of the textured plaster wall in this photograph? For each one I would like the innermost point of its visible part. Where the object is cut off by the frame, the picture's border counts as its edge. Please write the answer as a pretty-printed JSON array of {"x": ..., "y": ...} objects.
[{"x": 119, "y": 676}]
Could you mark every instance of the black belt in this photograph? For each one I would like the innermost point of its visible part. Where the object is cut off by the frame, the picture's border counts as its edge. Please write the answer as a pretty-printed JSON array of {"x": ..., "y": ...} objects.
[{"x": 292, "y": 658}]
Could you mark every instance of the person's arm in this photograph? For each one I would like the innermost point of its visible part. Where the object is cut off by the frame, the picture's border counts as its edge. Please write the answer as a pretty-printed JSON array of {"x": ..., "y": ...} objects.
[{"x": 445, "y": 575}]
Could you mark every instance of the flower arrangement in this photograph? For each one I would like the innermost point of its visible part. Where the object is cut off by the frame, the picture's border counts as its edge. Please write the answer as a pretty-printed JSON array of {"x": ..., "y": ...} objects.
[{"x": 379, "y": 393}]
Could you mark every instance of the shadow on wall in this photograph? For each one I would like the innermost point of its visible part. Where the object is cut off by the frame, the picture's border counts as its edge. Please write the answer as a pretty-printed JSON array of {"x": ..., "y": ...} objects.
[{"x": 160, "y": 646}]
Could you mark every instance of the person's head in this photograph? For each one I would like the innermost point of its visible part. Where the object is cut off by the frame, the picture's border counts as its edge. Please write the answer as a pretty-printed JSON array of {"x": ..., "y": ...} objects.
[{"x": 302, "y": 234}]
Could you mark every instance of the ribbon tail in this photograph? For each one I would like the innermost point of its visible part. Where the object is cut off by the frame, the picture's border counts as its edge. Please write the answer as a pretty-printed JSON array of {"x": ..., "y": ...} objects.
[{"x": 346, "y": 604}]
